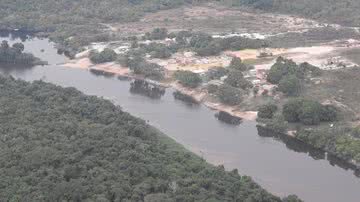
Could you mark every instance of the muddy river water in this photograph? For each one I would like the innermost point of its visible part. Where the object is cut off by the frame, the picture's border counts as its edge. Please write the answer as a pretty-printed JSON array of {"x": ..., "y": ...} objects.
[{"x": 281, "y": 166}]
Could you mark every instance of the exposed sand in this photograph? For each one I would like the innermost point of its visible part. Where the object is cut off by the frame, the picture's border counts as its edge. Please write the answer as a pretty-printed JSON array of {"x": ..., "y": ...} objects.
[
  {"x": 110, "y": 67},
  {"x": 189, "y": 61},
  {"x": 324, "y": 57},
  {"x": 83, "y": 63},
  {"x": 200, "y": 96},
  {"x": 252, "y": 54},
  {"x": 82, "y": 54},
  {"x": 246, "y": 115}
]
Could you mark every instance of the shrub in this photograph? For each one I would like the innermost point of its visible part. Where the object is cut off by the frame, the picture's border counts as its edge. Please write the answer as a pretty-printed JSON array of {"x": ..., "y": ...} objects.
[
  {"x": 211, "y": 88},
  {"x": 281, "y": 68},
  {"x": 200, "y": 40},
  {"x": 216, "y": 73},
  {"x": 287, "y": 68},
  {"x": 292, "y": 198},
  {"x": 182, "y": 36},
  {"x": 292, "y": 109},
  {"x": 276, "y": 126},
  {"x": 188, "y": 78},
  {"x": 328, "y": 113},
  {"x": 267, "y": 111},
  {"x": 356, "y": 132},
  {"x": 237, "y": 80},
  {"x": 237, "y": 64},
  {"x": 156, "y": 34},
  {"x": 229, "y": 95},
  {"x": 290, "y": 85},
  {"x": 158, "y": 50},
  {"x": 134, "y": 44},
  {"x": 306, "y": 68},
  {"x": 308, "y": 112},
  {"x": 211, "y": 49},
  {"x": 107, "y": 55},
  {"x": 205, "y": 45},
  {"x": 149, "y": 70}
]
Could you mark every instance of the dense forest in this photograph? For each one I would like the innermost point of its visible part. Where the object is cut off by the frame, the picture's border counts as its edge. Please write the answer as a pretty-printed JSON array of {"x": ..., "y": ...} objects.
[{"x": 60, "y": 145}]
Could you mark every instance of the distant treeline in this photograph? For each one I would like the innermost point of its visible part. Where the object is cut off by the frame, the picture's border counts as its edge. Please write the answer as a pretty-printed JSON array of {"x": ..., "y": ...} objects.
[
  {"x": 335, "y": 11},
  {"x": 75, "y": 24},
  {"x": 58, "y": 144}
]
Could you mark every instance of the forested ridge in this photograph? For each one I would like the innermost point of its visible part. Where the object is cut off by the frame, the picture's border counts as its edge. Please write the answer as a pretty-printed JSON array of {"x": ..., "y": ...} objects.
[
  {"x": 333, "y": 11},
  {"x": 60, "y": 145}
]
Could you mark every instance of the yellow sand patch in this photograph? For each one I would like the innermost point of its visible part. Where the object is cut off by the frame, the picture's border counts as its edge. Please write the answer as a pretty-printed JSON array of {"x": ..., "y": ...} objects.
[
  {"x": 247, "y": 115},
  {"x": 194, "y": 93},
  {"x": 112, "y": 67},
  {"x": 83, "y": 63},
  {"x": 189, "y": 61},
  {"x": 254, "y": 53}
]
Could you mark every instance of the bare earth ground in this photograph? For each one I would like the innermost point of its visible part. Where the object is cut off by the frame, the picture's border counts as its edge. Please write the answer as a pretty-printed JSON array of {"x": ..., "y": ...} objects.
[{"x": 332, "y": 54}]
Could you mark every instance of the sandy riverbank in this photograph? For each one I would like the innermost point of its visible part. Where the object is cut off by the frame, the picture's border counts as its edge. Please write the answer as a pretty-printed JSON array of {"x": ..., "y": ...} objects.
[{"x": 198, "y": 94}]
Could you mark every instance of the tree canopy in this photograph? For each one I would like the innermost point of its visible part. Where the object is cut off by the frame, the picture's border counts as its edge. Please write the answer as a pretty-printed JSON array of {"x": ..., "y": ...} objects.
[
  {"x": 237, "y": 64},
  {"x": 107, "y": 55},
  {"x": 188, "y": 78},
  {"x": 139, "y": 65},
  {"x": 229, "y": 95},
  {"x": 289, "y": 76},
  {"x": 267, "y": 111},
  {"x": 236, "y": 79},
  {"x": 15, "y": 55},
  {"x": 308, "y": 112}
]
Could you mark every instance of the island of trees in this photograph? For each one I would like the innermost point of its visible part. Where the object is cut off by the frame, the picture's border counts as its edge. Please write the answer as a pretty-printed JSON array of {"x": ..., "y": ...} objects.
[{"x": 15, "y": 55}]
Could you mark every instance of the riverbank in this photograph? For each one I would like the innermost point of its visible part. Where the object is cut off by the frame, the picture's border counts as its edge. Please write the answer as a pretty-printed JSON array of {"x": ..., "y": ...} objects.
[
  {"x": 327, "y": 56},
  {"x": 197, "y": 94},
  {"x": 236, "y": 147},
  {"x": 268, "y": 131}
]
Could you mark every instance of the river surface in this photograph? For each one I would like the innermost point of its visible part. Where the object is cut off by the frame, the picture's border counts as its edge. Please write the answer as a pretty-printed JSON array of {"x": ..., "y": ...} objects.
[{"x": 282, "y": 167}]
